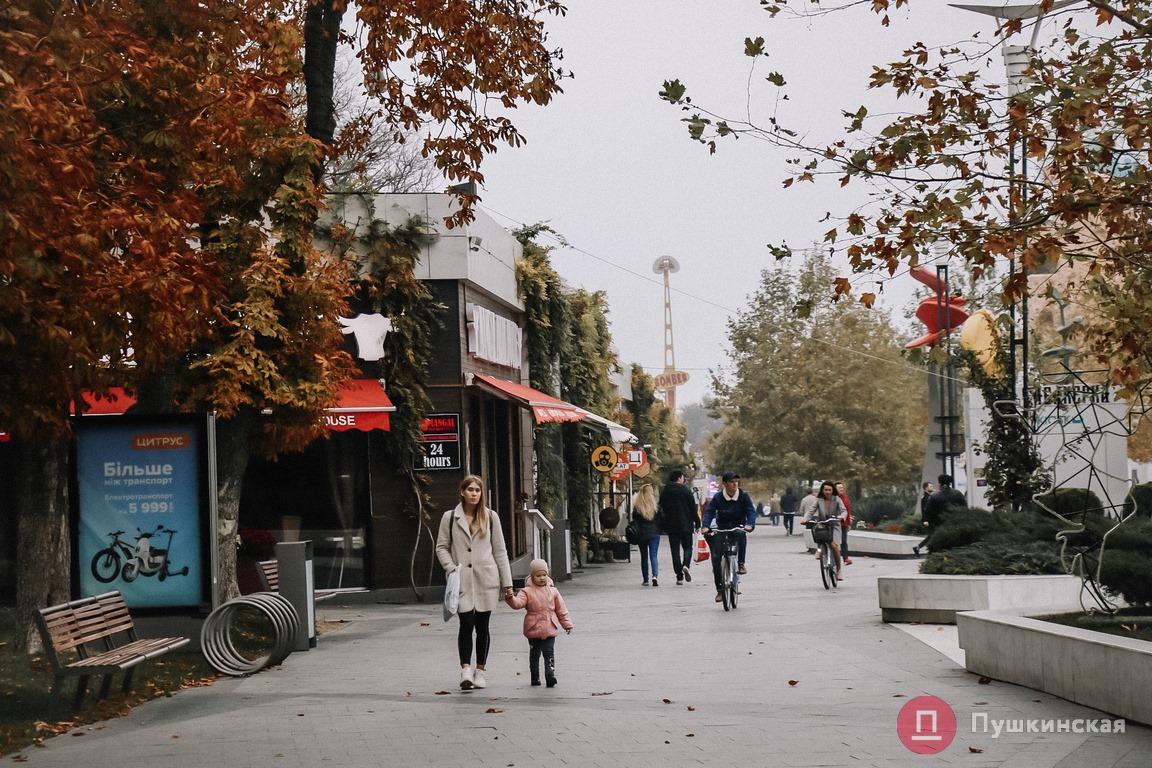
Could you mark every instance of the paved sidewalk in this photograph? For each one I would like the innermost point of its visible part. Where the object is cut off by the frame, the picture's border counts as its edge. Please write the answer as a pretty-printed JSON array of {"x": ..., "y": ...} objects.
[{"x": 650, "y": 677}]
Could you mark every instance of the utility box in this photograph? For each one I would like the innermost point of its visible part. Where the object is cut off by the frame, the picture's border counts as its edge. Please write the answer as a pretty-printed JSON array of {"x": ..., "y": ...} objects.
[{"x": 294, "y": 563}]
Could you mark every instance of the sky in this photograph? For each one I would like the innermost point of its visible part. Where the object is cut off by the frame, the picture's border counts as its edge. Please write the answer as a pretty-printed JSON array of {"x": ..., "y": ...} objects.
[{"x": 610, "y": 166}]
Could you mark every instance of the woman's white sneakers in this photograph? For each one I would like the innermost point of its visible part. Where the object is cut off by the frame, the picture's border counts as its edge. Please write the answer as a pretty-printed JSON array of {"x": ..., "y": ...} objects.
[
  {"x": 468, "y": 679},
  {"x": 478, "y": 679}
]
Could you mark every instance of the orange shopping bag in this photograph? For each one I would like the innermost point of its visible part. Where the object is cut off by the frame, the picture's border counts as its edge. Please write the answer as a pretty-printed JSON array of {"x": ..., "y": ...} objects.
[{"x": 701, "y": 550}]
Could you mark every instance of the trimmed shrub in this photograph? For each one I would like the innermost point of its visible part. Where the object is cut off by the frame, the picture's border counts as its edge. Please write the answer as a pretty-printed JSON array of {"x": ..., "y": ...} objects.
[
  {"x": 1070, "y": 502},
  {"x": 877, "y": 509},
  {"x": 996, "y": 558},
  {"x": 960, "y": 527},
  {"x": 1142, "y": 496}
]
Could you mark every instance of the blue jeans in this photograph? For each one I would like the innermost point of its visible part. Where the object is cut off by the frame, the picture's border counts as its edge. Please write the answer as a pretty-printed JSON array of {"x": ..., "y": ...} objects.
[{"x": 650, "y": 551}]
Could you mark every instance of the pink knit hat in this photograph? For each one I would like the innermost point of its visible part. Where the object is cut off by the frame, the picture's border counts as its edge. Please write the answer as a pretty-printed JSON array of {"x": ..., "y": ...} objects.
[{"x": 538, "y": 565}]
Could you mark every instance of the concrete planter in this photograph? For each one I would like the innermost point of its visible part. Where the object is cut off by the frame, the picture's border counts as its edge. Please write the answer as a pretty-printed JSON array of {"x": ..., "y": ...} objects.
[
  {"x": 1106, "y": 672},
  {"x": 932, "y": 599},
  {"x": 873, "y": 543}
]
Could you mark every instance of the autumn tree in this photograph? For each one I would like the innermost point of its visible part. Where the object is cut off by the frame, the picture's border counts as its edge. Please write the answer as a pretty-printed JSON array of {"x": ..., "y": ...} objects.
[
  {"x": 129, "y": 126},
  {"x": 179, "y": 257},
  {"x": 1053, "y": 170},
  {"x": 818, "y": 388},
  {"x": 655, "y": 424}
]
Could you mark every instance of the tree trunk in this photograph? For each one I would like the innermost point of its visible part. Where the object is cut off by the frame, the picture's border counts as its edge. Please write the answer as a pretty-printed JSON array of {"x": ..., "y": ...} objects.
[
  {"x": 321, "y": 35},
  {"x": 43, "y": 571},
  {"x": 233, "y": 449}
]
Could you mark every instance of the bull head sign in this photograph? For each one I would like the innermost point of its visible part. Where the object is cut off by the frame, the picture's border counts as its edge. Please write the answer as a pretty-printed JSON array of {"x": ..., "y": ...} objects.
[{"x": 369, "y": 331}]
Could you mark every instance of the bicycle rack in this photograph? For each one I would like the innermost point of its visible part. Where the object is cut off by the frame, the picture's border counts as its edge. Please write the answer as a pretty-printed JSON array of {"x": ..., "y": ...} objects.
[{"x": 216, "y": 634}]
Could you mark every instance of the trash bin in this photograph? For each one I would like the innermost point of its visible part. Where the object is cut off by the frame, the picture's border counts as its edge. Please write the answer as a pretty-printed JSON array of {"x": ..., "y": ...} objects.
[{"x": 294, "y": 563}]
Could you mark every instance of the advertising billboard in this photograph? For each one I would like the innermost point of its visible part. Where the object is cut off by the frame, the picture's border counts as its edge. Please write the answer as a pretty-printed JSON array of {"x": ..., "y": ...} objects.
[{"x": 142, "y": 515}]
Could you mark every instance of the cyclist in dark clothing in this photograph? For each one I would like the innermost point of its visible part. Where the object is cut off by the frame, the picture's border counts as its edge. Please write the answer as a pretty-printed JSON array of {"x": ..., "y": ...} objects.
[
  {"x": 678, "y": 511},
  {"x": 731, "y": 507}
]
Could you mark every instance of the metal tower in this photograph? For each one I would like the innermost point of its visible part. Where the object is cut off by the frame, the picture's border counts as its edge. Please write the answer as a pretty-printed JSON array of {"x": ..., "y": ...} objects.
[{"x": 669, "y": 378}]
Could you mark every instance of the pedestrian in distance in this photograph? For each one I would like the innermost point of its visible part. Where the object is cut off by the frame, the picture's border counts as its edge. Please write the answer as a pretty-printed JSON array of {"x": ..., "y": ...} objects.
[
  {"x": 644, "y": 511},
  {"x": 546, "y": 614},
  {"x": 788, "y": 504},
  {"x": 774, "y": 509},
  {"x": 808, "y": 503},
  {"x": 845, "y": 524},
  {"x": 678, "y": 514},
  {"x": 471, "y": 541},
  {"x": 731, "y": 507}
]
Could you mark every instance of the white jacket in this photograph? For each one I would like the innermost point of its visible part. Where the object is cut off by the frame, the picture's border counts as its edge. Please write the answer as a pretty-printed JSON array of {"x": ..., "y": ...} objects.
[{"x": 483, "y": 560}]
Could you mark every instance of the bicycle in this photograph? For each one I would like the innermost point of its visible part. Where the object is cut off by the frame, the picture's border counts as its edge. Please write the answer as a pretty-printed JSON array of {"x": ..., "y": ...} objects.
[
  {"x": 729, "y": 564},
  {"x": 122, "y": 560},
  {"x": 823, "y": 534}
]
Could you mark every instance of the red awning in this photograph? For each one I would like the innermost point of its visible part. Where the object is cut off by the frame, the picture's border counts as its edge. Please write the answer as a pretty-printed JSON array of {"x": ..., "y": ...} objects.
[
  {"x": 545, "y": 408},
  {"x": 363, "y": 406}
]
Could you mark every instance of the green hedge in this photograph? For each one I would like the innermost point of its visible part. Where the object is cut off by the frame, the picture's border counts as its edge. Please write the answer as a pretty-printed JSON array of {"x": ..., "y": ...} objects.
[
  {"x": 973, "y": 541},
  {"x": 996, "y": 558}
]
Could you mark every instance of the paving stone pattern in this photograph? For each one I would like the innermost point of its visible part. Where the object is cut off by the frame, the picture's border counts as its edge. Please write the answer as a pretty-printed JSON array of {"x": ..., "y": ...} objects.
[{"x": 658, "y": 677}]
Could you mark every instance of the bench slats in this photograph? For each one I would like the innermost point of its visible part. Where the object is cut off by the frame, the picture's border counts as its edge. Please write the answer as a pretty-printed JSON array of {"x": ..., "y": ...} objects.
[{"x": 69, "y": 628}]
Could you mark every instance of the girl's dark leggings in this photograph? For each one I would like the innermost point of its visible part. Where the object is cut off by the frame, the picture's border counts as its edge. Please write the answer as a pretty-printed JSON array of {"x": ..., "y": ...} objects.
[
  {"x": 547, "y": 647},
  {"x": 474, "y": 621}
]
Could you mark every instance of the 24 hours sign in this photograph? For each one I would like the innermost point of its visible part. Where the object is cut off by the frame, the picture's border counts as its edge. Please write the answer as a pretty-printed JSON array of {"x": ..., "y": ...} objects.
[{"x": 439, "y": 442}]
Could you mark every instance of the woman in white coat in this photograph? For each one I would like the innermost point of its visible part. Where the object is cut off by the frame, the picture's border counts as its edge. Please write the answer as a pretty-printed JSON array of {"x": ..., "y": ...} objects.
[{"x": 471, "y": 541}]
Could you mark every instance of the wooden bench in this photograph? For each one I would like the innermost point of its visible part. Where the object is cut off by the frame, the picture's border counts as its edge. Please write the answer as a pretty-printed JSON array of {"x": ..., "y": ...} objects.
[
  {"x": 103, "y": 621},
  {"x": 270, "y": 577}
]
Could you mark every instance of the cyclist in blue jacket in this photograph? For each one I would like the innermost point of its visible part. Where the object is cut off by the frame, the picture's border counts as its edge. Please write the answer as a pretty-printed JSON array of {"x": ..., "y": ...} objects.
[{"x": 731, "y": 507}]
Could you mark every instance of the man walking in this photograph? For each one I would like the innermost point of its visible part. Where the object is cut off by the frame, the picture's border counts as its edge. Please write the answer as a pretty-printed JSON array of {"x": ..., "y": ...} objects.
[
  {"x": 938, "y": 503},
  {"x": 788, "y": 504},
  {"x": 678, "y": 510}
]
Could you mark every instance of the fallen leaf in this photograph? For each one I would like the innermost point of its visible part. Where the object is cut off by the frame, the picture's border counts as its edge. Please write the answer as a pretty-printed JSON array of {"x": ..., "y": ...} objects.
[
  {"x": 603, "y": 693},
  {"x": 278, "y": 754},
  {"x": 689, "y": 735},
  {"x": 299, "y": 714},
  {"x": 984, "y": 703},
  {"x": 691, "y": 708},
  {"x": 443, "y": 693},
  {"x": 424, "y": 624},
  {"x": 667, "y": 742},
  {"x": 20, "y": 759},
  {"x": 897, "y": 695},
  {"x": 175, "y": 736},
  {"x": 975, "y": 750},
  {"x": 493, "y": 711},
  {"x": 984, "y": 680},
  {"x": 939, "y": 629},
  {"x": 793, "y": 682},
  {"x": 77, "y": 733},
  {"x": 666, "y": 701}
]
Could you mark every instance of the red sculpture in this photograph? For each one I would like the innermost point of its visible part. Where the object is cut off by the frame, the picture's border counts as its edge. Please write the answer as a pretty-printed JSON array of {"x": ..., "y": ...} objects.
[{"x": 931, "y": 308}]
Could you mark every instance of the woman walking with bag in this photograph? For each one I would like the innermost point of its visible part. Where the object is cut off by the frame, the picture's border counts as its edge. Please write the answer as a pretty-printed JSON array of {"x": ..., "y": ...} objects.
[
  {"x": 648, "y": 531},
  {"x": 471, "y": 541}
]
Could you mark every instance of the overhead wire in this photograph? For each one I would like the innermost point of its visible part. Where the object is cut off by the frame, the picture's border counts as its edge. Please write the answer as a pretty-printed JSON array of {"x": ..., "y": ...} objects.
[{"x": 563, "y": 243}]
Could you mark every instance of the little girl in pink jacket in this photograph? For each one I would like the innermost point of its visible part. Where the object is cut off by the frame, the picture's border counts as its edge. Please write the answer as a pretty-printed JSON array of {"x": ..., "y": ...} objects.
[{"x": 546, "y": 614}]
